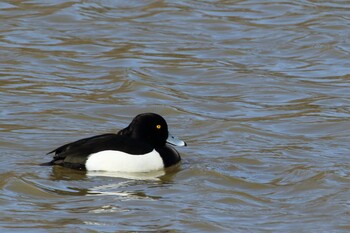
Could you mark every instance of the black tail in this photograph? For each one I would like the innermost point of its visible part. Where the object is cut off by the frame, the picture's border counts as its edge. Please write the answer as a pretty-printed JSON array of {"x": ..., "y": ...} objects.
[{"x": 46, "y": 164}]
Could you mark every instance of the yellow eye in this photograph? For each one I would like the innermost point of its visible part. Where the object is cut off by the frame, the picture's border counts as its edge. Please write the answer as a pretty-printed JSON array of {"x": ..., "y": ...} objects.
[{"x": 158, "y": 126}]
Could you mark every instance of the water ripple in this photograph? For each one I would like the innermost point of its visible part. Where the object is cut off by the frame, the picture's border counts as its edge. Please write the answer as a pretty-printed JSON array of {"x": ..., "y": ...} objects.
[{"x": 259, "y": 90}]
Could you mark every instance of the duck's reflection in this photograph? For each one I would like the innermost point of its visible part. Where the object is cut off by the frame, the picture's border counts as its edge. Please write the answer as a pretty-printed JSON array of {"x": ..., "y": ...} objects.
[
  {"x": 154, "y": 175},
  {"x": 62, "y": 173},
  {"x": 122, "y": 185}
]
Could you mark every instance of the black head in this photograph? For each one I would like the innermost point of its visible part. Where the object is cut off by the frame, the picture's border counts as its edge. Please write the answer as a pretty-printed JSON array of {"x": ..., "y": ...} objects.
[{"x": 148, "y": 127}]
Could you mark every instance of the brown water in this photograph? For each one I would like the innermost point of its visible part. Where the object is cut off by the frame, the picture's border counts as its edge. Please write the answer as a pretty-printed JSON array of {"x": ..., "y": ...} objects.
[{"x": 258, "y": 89}]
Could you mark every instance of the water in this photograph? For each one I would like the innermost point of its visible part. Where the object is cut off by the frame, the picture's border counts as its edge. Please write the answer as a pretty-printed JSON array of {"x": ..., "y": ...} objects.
[{"x": 258, "y": 90}]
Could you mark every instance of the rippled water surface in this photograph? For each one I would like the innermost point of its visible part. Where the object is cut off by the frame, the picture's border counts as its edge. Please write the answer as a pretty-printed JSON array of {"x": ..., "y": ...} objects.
[{"x": 259, "y": 90}]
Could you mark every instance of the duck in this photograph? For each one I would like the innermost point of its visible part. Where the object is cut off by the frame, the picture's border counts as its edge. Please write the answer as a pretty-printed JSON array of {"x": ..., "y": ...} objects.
[{"x": 144, "y": 145}]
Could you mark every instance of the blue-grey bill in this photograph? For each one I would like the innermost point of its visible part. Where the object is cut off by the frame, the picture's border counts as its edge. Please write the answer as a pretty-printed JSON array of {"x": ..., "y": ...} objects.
[{"x": 175, "y": 141}]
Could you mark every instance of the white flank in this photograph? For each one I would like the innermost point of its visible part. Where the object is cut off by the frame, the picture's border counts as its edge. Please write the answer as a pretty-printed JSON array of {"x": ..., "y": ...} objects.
[{"x": 117, "y": 161}]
